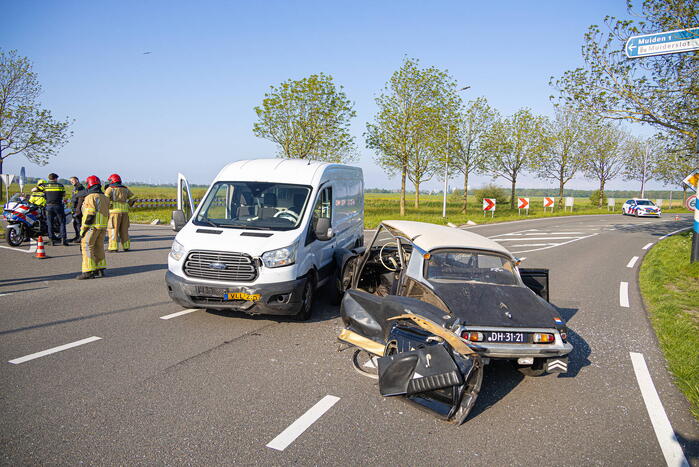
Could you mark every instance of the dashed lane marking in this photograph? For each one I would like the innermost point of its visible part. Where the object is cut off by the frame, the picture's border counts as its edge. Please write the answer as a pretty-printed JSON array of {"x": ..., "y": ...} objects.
[
  {"x": 293, "y": 431},
  {"x": 632, "y": 263},
  {"x": 672, "y": 451},
  {"x": 179, "y": 313},
  {"x": 648, "y": 245},
  {"x": 624, "y": 294},
  {"x": 60, "y": 348}
]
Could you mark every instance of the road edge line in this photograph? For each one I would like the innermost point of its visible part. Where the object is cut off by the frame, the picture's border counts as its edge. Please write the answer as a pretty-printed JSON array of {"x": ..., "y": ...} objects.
[{"x": 301, "y": 424}]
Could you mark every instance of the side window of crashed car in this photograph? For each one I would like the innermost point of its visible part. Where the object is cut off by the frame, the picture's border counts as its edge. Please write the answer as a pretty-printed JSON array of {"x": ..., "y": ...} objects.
[{"x": 470, "y": 266}]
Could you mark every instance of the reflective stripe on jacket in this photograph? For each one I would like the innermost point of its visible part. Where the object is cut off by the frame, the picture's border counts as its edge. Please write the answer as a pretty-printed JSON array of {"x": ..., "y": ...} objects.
[
  {"x": 38, "y": 197},
  {"x": 119, "y": 197},
  {"x": 54, "y": 193},
  {"x": 96, "y": 204}
]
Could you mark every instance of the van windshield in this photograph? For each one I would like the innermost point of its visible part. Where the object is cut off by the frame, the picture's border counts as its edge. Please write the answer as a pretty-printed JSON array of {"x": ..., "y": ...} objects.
[{"x": 253, "y": 205}]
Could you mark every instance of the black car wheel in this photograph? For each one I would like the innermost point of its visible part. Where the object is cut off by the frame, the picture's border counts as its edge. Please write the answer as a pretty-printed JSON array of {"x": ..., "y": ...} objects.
[{"x": 307, "y": 300}]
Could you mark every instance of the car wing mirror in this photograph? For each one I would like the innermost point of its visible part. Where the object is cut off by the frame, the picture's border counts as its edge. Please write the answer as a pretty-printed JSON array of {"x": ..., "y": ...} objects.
[
  {"x": 323, "y": 231},
  {"x": 178, "y": 220},
  {"x": 519, "y": 261}
]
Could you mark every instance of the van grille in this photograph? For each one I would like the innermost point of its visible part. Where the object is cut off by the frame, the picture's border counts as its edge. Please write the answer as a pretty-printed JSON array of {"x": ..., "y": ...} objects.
[{"x": 219, "y": 266}]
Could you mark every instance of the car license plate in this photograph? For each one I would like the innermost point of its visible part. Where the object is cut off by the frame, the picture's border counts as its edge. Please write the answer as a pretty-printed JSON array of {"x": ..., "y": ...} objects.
[
  {"x": 242, "y": 296},
  {"x": 507, "y": 337}
]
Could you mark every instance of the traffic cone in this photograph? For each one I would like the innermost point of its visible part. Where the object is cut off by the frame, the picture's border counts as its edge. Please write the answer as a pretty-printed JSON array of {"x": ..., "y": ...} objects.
[
  {"x": 677, "y": 217},
  {"x": 40, "y": 253}
]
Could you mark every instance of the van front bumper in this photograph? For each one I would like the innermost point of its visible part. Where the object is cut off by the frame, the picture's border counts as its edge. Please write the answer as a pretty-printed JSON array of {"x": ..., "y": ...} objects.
[{"x": 282, "y": 298}]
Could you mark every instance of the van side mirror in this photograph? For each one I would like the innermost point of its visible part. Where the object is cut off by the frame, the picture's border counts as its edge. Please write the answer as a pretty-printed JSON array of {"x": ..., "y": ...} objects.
[
  {"x": 323, "y": 230},
  {"x": 178, "y": 220}
]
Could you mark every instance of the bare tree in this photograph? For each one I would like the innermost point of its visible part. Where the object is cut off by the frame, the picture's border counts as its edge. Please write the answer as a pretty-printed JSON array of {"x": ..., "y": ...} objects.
[
  {"x": 643, "y": 158},
  {"x": 607, "y": 156}
]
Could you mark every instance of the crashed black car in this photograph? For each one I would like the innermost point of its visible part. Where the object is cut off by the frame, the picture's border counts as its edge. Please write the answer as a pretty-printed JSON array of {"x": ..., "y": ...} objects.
[{"x": 430, "y": 305}]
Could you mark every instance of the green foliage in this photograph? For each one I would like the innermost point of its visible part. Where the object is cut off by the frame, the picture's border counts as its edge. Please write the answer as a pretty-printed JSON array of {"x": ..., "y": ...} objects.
[
  {"x": 417, "y": 110},
  {"x": 595, "y": 198},
  {"x": 309, "y": 119},
  {"x": 670, "y": 288},
  {"x": 607, "y": 157},
  {"x": 26, "y": 128},
  {"x": 492, "y": 191},
  {"x": 661, "y": 91}
]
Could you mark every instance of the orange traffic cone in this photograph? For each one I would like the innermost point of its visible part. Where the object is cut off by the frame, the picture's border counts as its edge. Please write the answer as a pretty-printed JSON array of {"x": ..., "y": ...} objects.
[
  {"x": 40, "y": 253},
  {"x": 677, "y": 217}
]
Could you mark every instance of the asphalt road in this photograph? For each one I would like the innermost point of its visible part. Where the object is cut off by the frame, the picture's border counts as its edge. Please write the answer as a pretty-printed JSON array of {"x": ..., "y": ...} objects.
[{"x": 211, "y": 388}]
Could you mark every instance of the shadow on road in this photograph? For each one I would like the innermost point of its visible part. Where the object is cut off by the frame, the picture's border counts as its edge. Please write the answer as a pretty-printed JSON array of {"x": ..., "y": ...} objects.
[
  {"x": 498, "y": 380},
  {"x": 111, "y": 272},
  {"x": 690, "y": 448},
  {"x": 578, "y": 358}
]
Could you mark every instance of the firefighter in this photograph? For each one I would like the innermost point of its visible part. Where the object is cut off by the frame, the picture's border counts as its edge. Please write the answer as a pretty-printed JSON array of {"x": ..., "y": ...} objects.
[
  {"x": 55, "y": 210},
  {"x": 95, "y": 210},
  {"x": 118, "y": 226}
]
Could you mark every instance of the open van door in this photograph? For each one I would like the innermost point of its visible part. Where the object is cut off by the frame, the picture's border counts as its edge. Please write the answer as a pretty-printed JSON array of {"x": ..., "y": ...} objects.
[{"x": 185, "y": 204}]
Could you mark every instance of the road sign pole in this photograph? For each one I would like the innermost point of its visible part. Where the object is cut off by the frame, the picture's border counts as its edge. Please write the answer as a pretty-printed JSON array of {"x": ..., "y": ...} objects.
[{"x": 694, "y": 257}]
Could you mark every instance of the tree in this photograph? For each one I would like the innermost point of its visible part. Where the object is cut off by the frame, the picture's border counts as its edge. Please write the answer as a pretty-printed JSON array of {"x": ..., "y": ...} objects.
[
  {"x": 661, "y": 91},
  {"x": 476, "y": 120},
  {"x": 606, "y": 158},
  {"x": 407, "y": 132},
  {"x": 643, "y": 157},
  {"x": 566, "y": 147},
  {"x": 674, "y": 167},
  {"x": 308, "y": 118},
  {"x": 510, "y": 145},
  {"x": 25, "y": 127}
]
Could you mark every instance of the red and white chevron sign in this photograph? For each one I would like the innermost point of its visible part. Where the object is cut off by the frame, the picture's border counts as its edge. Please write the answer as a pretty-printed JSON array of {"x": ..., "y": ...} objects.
[
  {"x": 523, "y": 203},
  {"x": 548, "y": 202},
  {"x": 489, "y": 204}
]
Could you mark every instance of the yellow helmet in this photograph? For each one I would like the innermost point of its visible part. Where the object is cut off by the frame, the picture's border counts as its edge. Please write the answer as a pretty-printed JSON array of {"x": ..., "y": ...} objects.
[{"x": 41, "y": 181}]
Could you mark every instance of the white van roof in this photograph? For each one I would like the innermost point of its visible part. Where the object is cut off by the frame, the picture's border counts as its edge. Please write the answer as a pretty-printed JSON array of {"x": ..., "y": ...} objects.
[{"x": 293, "y": 171}]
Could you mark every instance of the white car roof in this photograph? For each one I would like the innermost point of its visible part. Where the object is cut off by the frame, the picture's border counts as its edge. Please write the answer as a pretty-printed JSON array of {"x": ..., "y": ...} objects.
[
  {"x": 293, "y": 171},
  {"x": 432, "y": 237}
]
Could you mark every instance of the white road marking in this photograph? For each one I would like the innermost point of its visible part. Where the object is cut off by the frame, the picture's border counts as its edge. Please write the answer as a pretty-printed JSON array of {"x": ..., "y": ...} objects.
[
  {"x": 293, "y": 431},
  {"x": 557, "y": 244},
  {"x": 530, "y": 238},
  {"x": 624, "y": 294},
  {"x": 658, "y": 418},
  {"x": 179, "y": 313},
  {"x": 5, "y": 294},
  {"x": 673, "y": 233},
  {"x": 532, "y": 244},
  {"x": 648, "y": 245},
  {"x": 632, "y": 263},
  {"x": 60, "y": 348},
  {"x": 32, "y": 248}
]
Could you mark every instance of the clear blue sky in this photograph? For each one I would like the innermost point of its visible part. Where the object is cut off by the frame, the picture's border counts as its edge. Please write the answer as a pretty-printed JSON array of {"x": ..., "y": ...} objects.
[{"x": 188, "y": 105}]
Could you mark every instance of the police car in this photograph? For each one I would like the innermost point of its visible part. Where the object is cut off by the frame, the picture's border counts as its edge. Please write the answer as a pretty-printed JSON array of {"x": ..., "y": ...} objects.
[{"x": 640, "y": 208}]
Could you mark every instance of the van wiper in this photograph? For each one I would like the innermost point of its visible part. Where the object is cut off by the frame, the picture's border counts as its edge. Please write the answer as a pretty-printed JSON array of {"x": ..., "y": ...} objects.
[
  {"x": 250, "y": 227},
  {"x": 210, "y": 222}
]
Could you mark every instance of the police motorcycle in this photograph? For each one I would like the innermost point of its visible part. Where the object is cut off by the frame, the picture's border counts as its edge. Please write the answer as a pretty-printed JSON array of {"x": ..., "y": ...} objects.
[{"x": 26, "y": 221}]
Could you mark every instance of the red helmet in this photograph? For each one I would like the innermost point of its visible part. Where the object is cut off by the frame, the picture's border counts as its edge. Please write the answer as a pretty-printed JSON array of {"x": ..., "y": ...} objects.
[
  {"x": 114, "y": 178},
  {"x": 92, "y": 180}
]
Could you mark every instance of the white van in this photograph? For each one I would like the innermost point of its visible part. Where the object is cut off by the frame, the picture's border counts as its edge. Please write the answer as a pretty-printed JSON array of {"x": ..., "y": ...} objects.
[{"x": 263, "y": 237}]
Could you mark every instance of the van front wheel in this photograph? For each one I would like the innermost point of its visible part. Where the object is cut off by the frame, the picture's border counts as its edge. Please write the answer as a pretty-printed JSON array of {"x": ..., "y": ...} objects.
[{"x": 309, "y": 288}]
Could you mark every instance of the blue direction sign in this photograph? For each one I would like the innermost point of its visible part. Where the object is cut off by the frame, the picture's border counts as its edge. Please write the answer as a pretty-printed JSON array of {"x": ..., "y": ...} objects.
[{"x": 670, "y": 42}]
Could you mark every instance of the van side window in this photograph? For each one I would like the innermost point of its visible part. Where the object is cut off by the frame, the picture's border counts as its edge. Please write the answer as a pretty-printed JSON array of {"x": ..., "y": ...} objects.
[{"x": 324, "y": 204}]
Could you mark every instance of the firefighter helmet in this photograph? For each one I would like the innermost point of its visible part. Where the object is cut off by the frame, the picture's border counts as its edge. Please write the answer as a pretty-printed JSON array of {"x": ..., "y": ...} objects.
[
  {"x": 92, "y": 180},
  {"x": 114, "y": 178}
]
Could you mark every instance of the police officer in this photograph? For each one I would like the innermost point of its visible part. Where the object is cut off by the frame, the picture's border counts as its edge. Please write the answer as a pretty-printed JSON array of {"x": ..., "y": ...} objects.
[
  {"x": 118, "y": 226},
  {"x": 95, "y": 210},
  {"x": 76, "y": 200},
  {"x": 55, "y": 210}
]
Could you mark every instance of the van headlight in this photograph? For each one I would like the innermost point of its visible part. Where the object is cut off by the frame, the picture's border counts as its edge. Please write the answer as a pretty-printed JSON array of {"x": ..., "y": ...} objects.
[
  {"x": 177, "y": 251},
  {"x": 281, "y": 257}
]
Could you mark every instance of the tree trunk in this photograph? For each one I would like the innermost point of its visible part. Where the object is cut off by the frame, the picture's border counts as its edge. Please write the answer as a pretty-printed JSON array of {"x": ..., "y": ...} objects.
[
  {"x": 601, "y": 194},
  {"x": 670, "y": 199},
  {"x": 643, "y": 188},
  {"x": 403, "y": 174},
  {"x": 417, "y": 195},
  {"x": 560, "y": 193},
  {"x": 684, "y": 195},
  {"x": 2, "y": 190},
  {"x": 465, "y": 208},
  {"x": 512, "y": 196}
]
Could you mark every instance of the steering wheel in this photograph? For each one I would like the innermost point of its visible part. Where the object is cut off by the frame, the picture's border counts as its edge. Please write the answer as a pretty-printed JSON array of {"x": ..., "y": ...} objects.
[
  {"x": 389, "y": 258},
  {"x": 288, "y": 215}
]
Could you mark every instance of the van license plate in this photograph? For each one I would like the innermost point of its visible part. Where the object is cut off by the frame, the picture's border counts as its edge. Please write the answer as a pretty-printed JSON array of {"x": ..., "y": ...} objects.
[
  {"x": 204, "y": 291},
  {"x": 242, "y": 296}
]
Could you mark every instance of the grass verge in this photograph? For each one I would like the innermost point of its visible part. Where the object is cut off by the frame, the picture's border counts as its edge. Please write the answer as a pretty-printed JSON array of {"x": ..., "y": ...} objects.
[{"x": 670, "y": 288}]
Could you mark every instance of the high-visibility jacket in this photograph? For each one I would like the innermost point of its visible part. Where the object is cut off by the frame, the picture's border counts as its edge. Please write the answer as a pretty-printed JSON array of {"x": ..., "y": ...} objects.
[
  {"x": 97, "y": 205},
  {"x": 54, "y": 193},
  {"x": 38, "y": 196},
  {"x": 119, "y": 197}
]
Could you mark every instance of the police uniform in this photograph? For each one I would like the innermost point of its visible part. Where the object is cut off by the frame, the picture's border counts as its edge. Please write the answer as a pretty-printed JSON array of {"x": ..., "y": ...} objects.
[
  {"x": 95, "y": 210},
  {"x": 54, "y": 193},
  {"x": 118, "y": 225}
]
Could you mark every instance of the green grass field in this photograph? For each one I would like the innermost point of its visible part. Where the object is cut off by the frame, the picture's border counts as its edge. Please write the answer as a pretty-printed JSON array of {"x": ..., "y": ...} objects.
[
  {"x": 670, "y": 288},
  {"x": 382, "y": 206}
]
